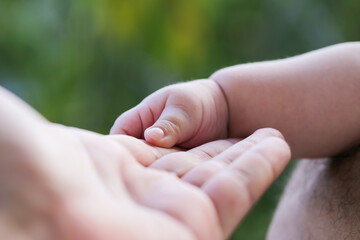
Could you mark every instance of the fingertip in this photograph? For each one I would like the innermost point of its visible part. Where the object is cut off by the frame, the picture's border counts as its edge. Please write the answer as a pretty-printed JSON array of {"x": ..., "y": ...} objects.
[
  {"x": 159, "y": 137},
  {"x": 270, "y": 132},
  {"x": 154, "y": 136},
  {"x": 114, "y": 128},
  {"x": 154, "y": 133},
  {"x": 128, "y": 123},
  {"x": 280, "y": 148}
]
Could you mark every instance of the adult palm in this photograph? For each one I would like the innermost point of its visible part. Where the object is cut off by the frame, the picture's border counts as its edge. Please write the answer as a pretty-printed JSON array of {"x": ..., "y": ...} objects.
[{"x": 65, "y": 183}]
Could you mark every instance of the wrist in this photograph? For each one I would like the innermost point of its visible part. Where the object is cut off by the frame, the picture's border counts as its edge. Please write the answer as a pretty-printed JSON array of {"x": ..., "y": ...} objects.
[
  {"x": 224, "y": 105},
  {"x": 236, "y": 89}
]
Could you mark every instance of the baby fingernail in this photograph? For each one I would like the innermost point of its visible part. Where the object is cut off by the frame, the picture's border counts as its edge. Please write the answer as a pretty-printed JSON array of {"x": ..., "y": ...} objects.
[{"x": 155, "y": 133}]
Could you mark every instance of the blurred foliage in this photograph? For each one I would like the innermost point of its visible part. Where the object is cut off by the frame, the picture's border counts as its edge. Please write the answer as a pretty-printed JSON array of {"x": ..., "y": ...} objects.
[{"x": 83, "y": 62}]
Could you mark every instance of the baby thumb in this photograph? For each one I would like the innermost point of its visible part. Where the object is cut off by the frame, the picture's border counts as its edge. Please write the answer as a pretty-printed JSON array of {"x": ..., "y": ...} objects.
[{"x": 173, "y": 127}]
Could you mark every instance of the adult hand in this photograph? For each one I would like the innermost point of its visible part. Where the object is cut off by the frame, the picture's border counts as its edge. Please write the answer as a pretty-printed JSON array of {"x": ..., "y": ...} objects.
[{"x": 63, "y": 183}]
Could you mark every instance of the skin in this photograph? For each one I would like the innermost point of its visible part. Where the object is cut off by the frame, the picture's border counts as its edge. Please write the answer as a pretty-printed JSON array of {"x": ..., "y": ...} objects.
[
  {"x": 312, "y": 99},
  {"x": 58, "y": 182},
  {"x": 189, "y": 114},
  {"x": 321, "y": 200}
]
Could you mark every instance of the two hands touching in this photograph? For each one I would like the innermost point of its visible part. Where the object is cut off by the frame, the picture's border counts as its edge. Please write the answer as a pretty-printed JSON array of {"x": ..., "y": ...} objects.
[
  {"x": 65, "y": 183},
  {"x": 312, "y": 99},
  {"x": 58, "y": 182}
]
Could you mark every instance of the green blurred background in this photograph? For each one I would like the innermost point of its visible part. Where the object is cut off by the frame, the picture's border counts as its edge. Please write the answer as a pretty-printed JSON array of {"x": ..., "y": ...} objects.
[{"x": 83, "y": 62}]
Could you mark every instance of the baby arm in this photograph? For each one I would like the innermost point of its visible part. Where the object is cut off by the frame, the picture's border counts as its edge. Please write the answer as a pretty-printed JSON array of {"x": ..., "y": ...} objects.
[{"x": 313, "y": 99}]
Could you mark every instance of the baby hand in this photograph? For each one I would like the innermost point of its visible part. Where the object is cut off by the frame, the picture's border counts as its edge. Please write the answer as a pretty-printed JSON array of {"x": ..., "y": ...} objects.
[{"x": 185, "y": 114}]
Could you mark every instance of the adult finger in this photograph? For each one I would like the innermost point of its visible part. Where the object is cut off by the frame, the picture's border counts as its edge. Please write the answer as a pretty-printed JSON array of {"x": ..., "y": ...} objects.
[
  {"x": 182, "y": 162},
  {"x": 199, "y": 175},
  {"x": 235, "y": 189},
  {"x": 165, "y": 192},
  {"x": 141, "y": 151}
]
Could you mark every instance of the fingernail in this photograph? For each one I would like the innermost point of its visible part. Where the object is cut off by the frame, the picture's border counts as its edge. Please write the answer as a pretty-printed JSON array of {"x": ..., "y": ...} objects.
[{"x": 155, "y": 133}]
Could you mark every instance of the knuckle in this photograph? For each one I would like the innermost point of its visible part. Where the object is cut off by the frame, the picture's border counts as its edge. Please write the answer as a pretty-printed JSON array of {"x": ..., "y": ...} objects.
[
  {"x": 244, "y": 177},
  {"x": 249, "y": 142},
  {"x": 171, "y": 126},
  {"x": 280, "y": 147},
  {"x": 262, "y": 159},
  {"x": 270, "y": 155}
]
